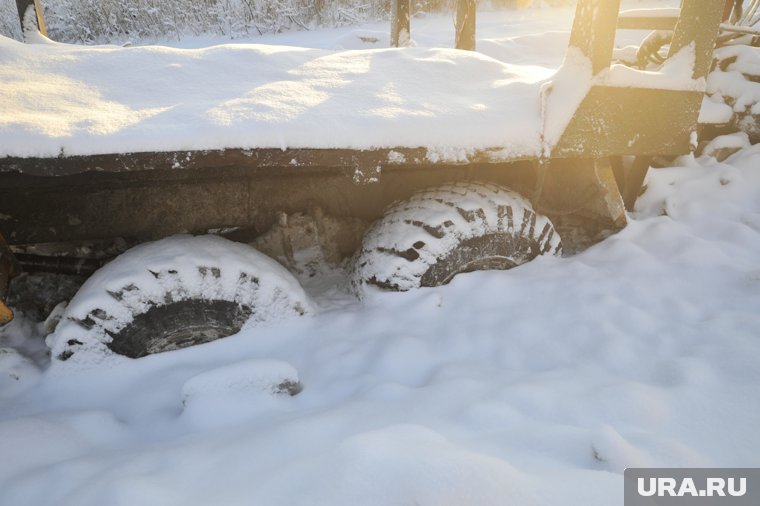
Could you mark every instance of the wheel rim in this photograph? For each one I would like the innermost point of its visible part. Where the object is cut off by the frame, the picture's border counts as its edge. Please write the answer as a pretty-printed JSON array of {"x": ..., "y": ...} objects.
[
  {"x": 188, "y": 336},
  {"x": 179, "y": 325},
  {"x": 491, "y": 263}
]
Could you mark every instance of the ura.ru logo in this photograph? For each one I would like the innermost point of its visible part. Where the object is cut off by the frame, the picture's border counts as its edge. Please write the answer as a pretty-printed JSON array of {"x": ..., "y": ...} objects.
[{"x": 715, "y": 487}]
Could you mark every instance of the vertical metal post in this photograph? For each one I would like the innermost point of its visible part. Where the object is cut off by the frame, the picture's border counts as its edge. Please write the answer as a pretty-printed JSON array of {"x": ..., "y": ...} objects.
[
  {"x": 400, "y": 30},
  {"x": 594, "y": 29},
  {"x": 698, "y": 24},
  {"x": 634, "y": 178},
  {"x": 23, "y": 7},
  {"x": 732, "y": 11},
  {"x": 465, "y": 24}
]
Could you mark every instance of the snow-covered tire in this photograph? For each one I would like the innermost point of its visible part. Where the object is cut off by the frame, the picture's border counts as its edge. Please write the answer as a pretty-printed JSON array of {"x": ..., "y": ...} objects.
[
  {"x": 173, "y": 293},
  {"x": 448, "y": 230}
]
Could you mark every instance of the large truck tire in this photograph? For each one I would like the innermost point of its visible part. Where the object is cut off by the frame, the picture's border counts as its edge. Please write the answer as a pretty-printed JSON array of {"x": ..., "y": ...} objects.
[
  {"x": 173, "y": 293},
  {"x": 448, "y": 230}
]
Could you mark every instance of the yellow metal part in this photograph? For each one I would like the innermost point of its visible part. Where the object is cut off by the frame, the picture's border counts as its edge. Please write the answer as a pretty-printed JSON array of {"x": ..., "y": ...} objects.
[
  {"x": 8, "y": 269},
  {"x": 6, "y": 314},
  {"x": 40, "y": 17}
]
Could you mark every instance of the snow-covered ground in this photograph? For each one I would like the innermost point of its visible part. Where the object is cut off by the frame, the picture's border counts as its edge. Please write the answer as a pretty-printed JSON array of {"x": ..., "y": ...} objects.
[{"x": 534, "y": 386}]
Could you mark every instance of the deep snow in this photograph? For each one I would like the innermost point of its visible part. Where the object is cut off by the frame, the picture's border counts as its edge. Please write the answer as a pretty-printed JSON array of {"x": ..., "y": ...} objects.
[
  {"x": 537, "y": 385},
  {"x": 534, "y": 386}
]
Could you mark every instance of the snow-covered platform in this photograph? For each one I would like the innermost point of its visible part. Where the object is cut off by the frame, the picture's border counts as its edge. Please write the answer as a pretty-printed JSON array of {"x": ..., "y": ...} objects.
[{"x": 61, "y": 99}]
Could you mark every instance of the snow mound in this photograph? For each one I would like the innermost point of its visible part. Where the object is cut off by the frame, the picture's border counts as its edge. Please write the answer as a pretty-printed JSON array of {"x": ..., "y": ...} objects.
[
  {"x": 412, "y": 464},
  {"x": 239, "y": 392},
  {"x": 170, "y": 270},
  {"x": 614, "y": 452},
  {"x": 735, "y": 79},
  {"x": 714, "y": 198},
  {"x": 363, "y": 39},
  {"x": 714, "y": 110},
  {"x": 17, "y": 373},
  {"x": 674, "y": 74},
  {"x": 724, "y": 145},
  {"x": 272, "y": 377},
  {"x": 32, "y": 443}
]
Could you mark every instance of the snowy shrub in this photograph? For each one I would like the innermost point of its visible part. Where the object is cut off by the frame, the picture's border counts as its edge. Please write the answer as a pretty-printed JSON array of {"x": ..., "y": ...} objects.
[
  {"x": 433, "y": 5},
  {"x": 99, "y": 21},
  {"x": 88, "y": 21},
  {"x": 9, "y": 24}
]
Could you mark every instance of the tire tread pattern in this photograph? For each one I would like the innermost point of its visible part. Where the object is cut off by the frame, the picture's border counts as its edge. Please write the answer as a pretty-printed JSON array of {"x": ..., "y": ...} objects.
[{"x": 416, "y": 234}]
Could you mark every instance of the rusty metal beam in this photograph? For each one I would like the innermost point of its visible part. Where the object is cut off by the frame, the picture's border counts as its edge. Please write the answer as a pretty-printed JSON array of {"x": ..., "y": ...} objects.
[
  {"x": 252, "y": 160},
  {"x": 72, "y": 266},
  {"x": 698, "y": 24},
  {"x": 149, "y": 204},
  {"x": 633, "y": 181},
  {"x": 465, "y": 24},
  {"x": 646, "y": 23},
  {"x": 594, "y": 30},
  {"x": 400, "y": 23}
]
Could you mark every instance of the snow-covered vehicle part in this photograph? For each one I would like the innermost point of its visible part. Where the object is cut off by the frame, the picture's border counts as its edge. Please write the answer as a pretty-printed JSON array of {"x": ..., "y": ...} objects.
[
  {"x": 733, "y": 90},
  {"x": 309, "y": 131},
  {"x": 173, "y": 293},
  {"x": 448, "y": 230}
]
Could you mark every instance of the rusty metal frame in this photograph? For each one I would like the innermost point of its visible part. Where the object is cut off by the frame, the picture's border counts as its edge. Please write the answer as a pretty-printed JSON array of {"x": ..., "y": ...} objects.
[
  {"x": 634, "y": 120},
  {"x": 149, "y": 204},
  {"x": 612, "y": 122}
]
